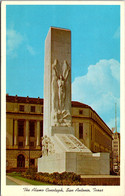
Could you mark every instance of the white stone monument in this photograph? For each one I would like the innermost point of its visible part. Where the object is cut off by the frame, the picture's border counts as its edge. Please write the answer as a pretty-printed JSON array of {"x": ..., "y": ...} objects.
[
  {"x": 57, "y": 82},
  {"x": 61, "y": 150}
]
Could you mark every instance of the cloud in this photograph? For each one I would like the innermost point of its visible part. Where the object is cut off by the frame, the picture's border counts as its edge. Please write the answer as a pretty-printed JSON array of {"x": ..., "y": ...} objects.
[
  {"x": 117, "y": 33},
  {"x": 100, "y": 88},
  {"x": 14, "y": 39},
  {"x": 30, "y": 50}
]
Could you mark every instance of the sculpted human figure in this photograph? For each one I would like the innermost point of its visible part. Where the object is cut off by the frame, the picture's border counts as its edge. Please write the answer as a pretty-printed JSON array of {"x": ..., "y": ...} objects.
[
  {"x": 61, "y": 91},
  {"x": 66, "y": 69},
  {"x": 47, "y": 146},
  {"x": 54, "y": 83},
  {"x": 45, "y": 142},
  {"x": 61, "y": 80}
]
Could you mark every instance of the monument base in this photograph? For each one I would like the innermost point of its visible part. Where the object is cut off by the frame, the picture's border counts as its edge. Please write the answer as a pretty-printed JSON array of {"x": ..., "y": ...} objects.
[
  {"x": 70, "y": 155},
  {"x": 79, "y": 163}
]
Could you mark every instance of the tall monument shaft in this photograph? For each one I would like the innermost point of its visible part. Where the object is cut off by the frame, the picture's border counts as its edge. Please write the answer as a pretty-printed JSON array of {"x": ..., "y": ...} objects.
[
  {"x": 61, "y": 150},
  {"x": 57, "y": 81}
]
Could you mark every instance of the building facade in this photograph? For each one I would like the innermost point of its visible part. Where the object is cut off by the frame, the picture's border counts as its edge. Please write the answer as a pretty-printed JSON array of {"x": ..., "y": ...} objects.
[
  {"x": 116, "y": 152},
  {"x": 24, "y": 131}
]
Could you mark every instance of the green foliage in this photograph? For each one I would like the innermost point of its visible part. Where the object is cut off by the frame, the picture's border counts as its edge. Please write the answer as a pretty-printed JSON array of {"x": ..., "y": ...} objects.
[
  {"x": 30, "y": 181},
  {"x": 14, "y": 174}
]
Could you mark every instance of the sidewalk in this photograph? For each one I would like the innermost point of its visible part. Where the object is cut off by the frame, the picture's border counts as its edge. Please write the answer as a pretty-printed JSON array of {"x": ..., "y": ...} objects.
[{"x": 17, "y": 181}]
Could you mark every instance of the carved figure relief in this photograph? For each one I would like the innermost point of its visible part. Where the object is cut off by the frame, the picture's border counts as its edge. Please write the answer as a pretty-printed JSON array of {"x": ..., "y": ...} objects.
[
  {"x": 60, "y": 116},
  {"x": 54, "y": 85},
  {"x": 60, "y": 79},
  {"x": 47, "y": 146}
]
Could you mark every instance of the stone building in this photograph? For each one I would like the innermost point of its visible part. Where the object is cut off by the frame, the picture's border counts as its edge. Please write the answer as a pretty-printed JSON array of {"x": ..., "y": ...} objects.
[
  {"x": 24, "y": 131},
  {"x": 116, "y": 152}
]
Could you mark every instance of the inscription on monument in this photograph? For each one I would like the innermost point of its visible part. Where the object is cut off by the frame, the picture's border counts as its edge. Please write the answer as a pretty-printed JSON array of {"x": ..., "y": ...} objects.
[{"x": 71, "y": 143}]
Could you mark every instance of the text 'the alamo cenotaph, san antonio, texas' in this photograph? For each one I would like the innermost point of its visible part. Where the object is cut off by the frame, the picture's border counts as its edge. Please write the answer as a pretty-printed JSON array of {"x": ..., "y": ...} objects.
[{"x": 61, "y": 150}]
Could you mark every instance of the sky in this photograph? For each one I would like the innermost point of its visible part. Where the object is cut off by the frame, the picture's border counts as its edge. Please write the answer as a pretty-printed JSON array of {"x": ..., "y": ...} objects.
[{"x": 95, "y": 52}]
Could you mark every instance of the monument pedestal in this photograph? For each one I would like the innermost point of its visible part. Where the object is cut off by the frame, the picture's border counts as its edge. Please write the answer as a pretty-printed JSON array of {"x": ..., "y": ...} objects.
[
  {"x": 79, "y": 163},
  {"x": 70, "y": 155}
]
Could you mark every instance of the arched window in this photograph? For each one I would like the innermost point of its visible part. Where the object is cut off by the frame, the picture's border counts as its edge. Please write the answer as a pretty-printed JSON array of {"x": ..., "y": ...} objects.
[{"x": 21, "y": 161}]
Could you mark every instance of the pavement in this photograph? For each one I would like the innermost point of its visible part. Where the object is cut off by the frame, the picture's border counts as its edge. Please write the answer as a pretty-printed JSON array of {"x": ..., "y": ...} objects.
[
  {"x": 10, "y": 182},
  {"x": 14, "y": 181}
]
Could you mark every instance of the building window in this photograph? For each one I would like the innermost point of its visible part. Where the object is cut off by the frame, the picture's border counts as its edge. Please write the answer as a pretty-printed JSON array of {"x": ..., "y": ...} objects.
[
  {"x": 21, "y": 108},
  {"x": 32, "y": 128},
  {"x": 115, "y": 137},
  {"x": 20, "y": 144},
  {"x": 21, "y": 161},
  {"x": 80, "y": 112},
  {"x": 32, "y": 144},
  {"x": 20, "y": 127},
  {"x": 115, "y": 142},
  {"x": 13, "y": 132},
  {"x": 41, "y": 129},
  {"x": 32, "y": 162},
  {"x": 42, "y": 110},
  {"x": 80, "y": 130},
  {"x": 91, "y": 132},
  {"x": 32, "y": 108}
]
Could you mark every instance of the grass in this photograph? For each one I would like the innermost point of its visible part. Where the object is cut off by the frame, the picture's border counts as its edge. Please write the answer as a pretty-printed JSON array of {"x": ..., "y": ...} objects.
[
  {"x": 13, "y": 174},
  {"x": 32, "y": 182}
]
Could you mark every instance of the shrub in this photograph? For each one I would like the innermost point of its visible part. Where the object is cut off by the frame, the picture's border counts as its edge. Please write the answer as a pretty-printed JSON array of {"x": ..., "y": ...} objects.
[
  {"x": 30, "y": 173},
  {"x": 64, "y": 178}
]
